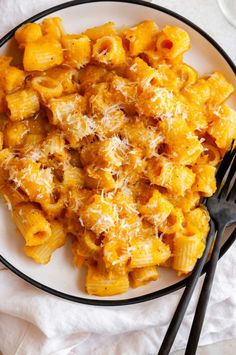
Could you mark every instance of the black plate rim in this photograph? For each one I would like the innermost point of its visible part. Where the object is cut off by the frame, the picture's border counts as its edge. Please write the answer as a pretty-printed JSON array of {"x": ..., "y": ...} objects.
[{"x": 229, "y": 241}]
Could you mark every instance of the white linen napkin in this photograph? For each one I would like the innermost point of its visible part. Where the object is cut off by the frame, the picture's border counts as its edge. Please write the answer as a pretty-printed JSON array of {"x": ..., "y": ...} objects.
[{"x": 35, "y": 323}]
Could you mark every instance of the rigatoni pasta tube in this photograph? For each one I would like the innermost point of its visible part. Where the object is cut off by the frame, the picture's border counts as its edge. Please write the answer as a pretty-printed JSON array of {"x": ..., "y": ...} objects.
[
  {"x": 32, "y": 224},
  {"x": 12, "y": 196},
  {"x": 223, "y": 127},
  {"x": 100, "y": 284},
  {"x": 98, "y": 214},
  {"x": 221, "y": 89},
  {"x": 143, "y": 275},
  {"x": 186, "y": 251},
  {"x": 53, "y": 27},
  {"x": 198, "y": 93},
  {"x": 173, "y": 223},
  {"x": 172, "y": 42},
  {"x": 68, "y": 77},
  {"x": 148, "y": 252},
  {"x": 85, "y": 244},
  {"x": 42, "y": 253},
  {"x": 157, "y": 209},
  {"x": 175, "y": 177},
  {"x": 53, "y": 209},
  {"x": 47, "y": 87},
  {"x": 186, "y": 74},
  {"x": 205, "y": 179},
  {"x": 15, "y": 132},
  {"x": 144, "y": 74},
  {"x": 35, "y": 181},
  {"x": 12, "y": 79},
  {"x": 60, "y": 109},
  {"x": 73, "y": 176},
  {"x": 42, "y": 54},
  {"x": 75, "y": 199},
  {"x": 54, "y": 146},
  {"x": 22, "y": 104},
  {"x": 89, "y": 242},
  {"x": 109, "y": 50},
  {"x": 77, "y": 50},
  {"x": 199, "y": 218},
  {"x": 29, "y": 32},
  {"x": 140, "y": 37},
  {"x": 99, "y": 179}
]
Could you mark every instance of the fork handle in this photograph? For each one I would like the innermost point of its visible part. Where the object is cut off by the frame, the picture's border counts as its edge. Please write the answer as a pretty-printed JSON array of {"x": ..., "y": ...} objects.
[
  {"x": 204, "y": 297},
  {"x": 186, "y": 297}
]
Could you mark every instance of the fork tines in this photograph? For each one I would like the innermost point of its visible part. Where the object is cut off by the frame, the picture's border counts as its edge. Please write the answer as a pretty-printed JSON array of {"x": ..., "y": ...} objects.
[
  {"x": 225, "y": 164},
  {"x": 225, "y": 175}
]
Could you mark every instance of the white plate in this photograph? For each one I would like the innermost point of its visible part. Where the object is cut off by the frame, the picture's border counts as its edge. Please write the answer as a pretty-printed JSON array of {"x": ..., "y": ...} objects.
[{"x": 60, "y": 277}]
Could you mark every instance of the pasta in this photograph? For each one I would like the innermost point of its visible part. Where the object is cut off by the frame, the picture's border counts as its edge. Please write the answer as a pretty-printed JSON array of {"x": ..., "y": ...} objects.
[
  {"x": 140, "y": 37},
  {"x": 22, "y": 104},
  {"x": 141, "y": 276},
  {"x": 188, "y": 247},
  {"x": 42, "y": 253},
  {"x": 77, "y": 50},
  {"x": 47, "y": 87},
  {"x": 53, "y": 27},
  {"x": 14, "y": 133},
  {"x": 109, "y": 50},
  {"x": 12, "y": 79},
  {"x": 42, "y": 54},
  {"x": 98, "y": 283},
  {"x": 29, "y": 32},
  {"x": 32, "y": 224},
  {"x": 109, "y": 139}
]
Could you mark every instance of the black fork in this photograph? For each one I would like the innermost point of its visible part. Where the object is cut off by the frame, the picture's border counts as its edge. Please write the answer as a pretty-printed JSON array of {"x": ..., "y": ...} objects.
[{"x": 222, "y": 209}]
